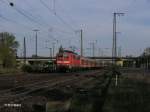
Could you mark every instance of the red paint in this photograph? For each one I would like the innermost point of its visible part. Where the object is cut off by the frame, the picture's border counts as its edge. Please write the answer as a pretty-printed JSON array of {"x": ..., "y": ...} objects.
[{"x": 71, "y": 60}]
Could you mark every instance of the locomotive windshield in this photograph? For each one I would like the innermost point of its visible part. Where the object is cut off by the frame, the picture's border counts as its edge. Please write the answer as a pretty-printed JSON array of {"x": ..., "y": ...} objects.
[{"x": 65, "y": 55}]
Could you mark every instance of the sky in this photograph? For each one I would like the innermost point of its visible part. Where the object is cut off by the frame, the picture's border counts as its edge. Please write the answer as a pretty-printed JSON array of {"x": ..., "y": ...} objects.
[{"x": 60, "y": 21}]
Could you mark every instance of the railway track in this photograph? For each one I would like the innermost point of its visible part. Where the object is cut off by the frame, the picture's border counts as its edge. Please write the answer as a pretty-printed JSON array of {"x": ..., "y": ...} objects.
[
  {"x": 34, "y": 80},
  {"x": 8, "y": 99},
  {"x": 8, "y": 82},
  {"x": 17, "y": 94},
  {"x": 91, "y": 90}
]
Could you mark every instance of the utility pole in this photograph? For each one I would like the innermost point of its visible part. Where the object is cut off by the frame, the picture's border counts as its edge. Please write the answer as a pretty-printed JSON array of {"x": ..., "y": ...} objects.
[
  {"x": 53, "y": 49},
  {"x": 114, "y": 40},
  {"x": 24, "y": 51},
  {"x": 36, "y": 48},
  {"x": 89, "y": 51},
  {"x": 93, "y": 47},
  {"x": 114, "y": 47},
  {"x": 81, "y": 43},
  {"x": 119, "y": 52},
  {"x": 99, "y": 52},
  {"x": 50, "y": 51},
  {"x": 54, "y": 6}
]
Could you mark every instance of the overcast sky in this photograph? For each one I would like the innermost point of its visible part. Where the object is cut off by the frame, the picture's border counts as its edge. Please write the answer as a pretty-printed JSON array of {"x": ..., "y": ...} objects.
[{"x": 93, "y": 16}]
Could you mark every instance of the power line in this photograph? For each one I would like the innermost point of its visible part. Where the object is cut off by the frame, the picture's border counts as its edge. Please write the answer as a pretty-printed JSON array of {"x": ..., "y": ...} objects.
[
  {"x": 24, "y": 50},
  {"x": 27, "y": 15},
  {"x": 129, "y": 6},
  {"x": 60, "y": 18},
  {"x": 30, "y": 17},
  {"x": 46, "y": 6},
  {"x": 47, "y": 23},
  {"x": 67, "y": 14},
  {"x": 64, "y": 22},
  {"x": 37, "y": 16},
  {"x": 12, "y": 21},
  {"x": 22, "y": 12},
  {"x": 53, "y": 11}
]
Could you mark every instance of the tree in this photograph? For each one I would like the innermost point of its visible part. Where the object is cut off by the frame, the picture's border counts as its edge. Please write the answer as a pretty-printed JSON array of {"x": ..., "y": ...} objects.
[{"x": 8, "y": 49}]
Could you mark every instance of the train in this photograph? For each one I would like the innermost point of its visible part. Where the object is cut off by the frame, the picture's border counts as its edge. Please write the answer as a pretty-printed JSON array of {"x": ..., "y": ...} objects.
[{"x": 67, "y": 60}]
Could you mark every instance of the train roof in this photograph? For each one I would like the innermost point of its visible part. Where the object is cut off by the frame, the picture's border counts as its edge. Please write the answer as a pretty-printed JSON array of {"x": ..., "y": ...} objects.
[{"x": 68, "y": 51}]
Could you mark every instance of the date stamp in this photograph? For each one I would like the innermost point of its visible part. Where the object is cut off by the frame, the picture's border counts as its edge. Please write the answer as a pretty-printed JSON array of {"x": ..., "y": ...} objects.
[{"x": 12, "y": 105}]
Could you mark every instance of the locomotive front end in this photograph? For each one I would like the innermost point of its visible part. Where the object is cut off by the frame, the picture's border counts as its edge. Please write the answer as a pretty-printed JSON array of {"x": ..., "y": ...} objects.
[{"x": 62, "y": 61}]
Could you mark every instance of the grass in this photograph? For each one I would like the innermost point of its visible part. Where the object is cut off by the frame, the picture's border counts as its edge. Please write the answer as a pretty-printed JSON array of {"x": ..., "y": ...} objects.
[
  {"x": 6, "y": 71},
  {"x": 131, "y": 95}
]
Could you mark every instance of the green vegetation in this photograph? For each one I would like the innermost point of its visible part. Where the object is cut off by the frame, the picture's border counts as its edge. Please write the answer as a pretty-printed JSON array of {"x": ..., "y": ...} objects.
[
  {"x": 80, "y": 99},
  {"x": 27, "y": 68},
  {"x": 8, "y": 50},
  {"x": 39, "y": 67},
  {"x": 131, "y": 95}
]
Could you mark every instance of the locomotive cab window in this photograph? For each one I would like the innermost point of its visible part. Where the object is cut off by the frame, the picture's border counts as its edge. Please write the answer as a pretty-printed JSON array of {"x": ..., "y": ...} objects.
[{"x": 66, "y": 56}]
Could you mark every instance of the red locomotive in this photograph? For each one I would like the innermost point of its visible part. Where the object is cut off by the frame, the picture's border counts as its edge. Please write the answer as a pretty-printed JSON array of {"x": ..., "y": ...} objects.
[{"x": 69, "y": 61}]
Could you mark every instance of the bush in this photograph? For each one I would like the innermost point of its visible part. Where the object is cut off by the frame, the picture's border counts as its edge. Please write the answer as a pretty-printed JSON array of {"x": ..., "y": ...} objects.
[
  {"x": 8, "y": 71},
  {"x": 27, "y": 68},
  {"x": 32, "y": 68}
]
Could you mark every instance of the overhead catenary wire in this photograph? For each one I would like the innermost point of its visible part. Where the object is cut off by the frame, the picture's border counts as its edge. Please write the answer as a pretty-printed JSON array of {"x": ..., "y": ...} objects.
[
  {"x": 126, "y": 10},
  {"x": 25, "y": 15},
  {"x": 15, "y": 22},
  {"x": 29, "y": 17},
  {"x": 39, "y": 17},
  {"x": 66, "y": 14},
  {"x": 44, "y": 36},
  {"x": 46, "y": 6},
  {"x": 32, "y": 18},
  {"x": 22, "y": 12},
  {"x": 53, "y": 12}
]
